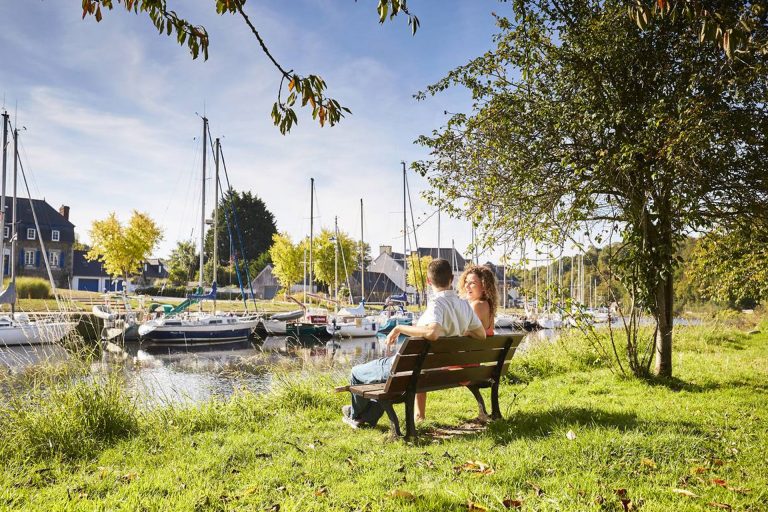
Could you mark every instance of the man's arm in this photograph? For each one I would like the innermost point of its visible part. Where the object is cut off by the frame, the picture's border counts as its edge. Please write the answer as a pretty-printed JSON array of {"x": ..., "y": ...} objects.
[{"x": 430, "y": 332}]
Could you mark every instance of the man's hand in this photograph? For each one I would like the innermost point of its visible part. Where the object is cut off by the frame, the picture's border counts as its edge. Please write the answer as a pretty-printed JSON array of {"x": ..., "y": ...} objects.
[{"x": 393, "y": 335}]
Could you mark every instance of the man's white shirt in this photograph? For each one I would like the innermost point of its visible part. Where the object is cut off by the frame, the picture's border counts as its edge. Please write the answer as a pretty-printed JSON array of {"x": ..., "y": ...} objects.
[{"x": 450, "y": 312}]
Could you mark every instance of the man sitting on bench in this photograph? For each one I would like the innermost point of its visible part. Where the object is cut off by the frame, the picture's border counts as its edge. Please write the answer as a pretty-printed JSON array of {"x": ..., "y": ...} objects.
[{"x": 446, "y": 315}]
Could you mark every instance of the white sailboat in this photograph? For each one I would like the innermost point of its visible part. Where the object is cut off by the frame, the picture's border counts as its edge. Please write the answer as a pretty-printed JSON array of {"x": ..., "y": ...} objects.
[
  {"x": 17, "y": 328},
  {"x": 181, "y": 328}
]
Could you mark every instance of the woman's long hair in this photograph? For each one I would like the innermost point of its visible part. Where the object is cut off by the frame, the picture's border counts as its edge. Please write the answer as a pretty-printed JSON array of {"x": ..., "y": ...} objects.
[{"x": 490, "y": 288}]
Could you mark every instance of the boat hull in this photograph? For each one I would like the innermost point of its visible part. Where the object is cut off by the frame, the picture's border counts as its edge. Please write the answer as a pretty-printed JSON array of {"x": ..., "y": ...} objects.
[
  {"x": 34, "y": 333},
  {"x": 353, "y": 330},
  {"x": 196, "y": 334},
  {"x": 390, "y": 324}
]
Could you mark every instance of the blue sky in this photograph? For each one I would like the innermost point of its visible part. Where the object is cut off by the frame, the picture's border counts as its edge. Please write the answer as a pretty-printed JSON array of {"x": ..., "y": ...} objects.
[{"x": 111, "y": 124}]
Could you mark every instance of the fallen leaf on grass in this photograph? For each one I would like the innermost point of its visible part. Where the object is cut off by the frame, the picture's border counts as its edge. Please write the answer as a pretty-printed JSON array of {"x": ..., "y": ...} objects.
[
  {"x": 698, "y": 470},
  {"x": 321, "y": 491},
  {"x": 626, "y": 505},
  {"x": 718, "y": 462},
  {"x": 724, "y": 506},
  {"x": 510, "y": 503},
  {"x": 538, "y": 490},
  {"x": 402, "y": 494},
  {"x": 474, "y": 507},
  {"x": 685, "y": 492},
  {"x": 621, "y": 493},
  {"x": 275, "y": 508},
  {"x": 129, "y": 477},
  {"x": 648, "y": 463},
  {"x": 599, "y": 499},
  {"x": 475, "y": 466},
  {"x": 718, "y": 481},
  {"x": 740, "y": 490},
  {"x": 570, "y": 435}
]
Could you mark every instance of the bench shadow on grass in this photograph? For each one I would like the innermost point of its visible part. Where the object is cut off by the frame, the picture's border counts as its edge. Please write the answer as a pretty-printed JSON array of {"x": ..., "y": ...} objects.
[{"x": 528, "y": 425}]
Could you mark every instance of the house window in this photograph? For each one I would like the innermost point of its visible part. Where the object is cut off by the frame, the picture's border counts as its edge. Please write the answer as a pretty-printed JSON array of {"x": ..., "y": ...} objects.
[
  {"x": 55, "y": 235},
  {"x": 29, "y": 258},
  {"x": 30, "y": 233},
  {"x": 6, "y": 232},
  {"x": 55, "y": 259}
]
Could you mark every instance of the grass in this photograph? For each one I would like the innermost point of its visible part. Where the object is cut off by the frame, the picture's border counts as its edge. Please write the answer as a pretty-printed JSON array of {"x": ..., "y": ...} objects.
[{"x": 575, "y": 437}]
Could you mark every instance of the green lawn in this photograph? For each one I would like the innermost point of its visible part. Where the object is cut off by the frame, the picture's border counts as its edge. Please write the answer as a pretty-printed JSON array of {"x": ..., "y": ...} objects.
[{"x": 575, "y": 437}]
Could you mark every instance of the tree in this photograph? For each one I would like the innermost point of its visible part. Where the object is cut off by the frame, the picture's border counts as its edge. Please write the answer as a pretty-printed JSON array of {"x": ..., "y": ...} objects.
[
  {"x": 183, "y": 262},
  {"x": 736, "y": 31},
  {"x": 123, "y": 249},
  {"x": 324, "y": 257},
  {"x": 417, "y": 272},
  {"x": 288, "y": 260},
  {"x": 309, "y": 90},
  {"x": 582, "y": 119},
  {"x": 256, "y": 228},
  {"x": 732, "y": 266}
]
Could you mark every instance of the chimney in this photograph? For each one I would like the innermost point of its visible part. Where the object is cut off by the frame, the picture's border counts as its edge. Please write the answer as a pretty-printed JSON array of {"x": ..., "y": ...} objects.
[
  {"x": 385, "y": 249},
  {"x": 64, "y": 211}
]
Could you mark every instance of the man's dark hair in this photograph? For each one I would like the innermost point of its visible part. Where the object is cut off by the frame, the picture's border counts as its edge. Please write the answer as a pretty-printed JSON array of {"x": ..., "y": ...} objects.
[{"x": 440, "y": 273}]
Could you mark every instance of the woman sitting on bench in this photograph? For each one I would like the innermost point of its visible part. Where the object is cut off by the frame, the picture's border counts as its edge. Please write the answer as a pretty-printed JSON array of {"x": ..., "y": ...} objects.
[{"x": 446, "y": 315}]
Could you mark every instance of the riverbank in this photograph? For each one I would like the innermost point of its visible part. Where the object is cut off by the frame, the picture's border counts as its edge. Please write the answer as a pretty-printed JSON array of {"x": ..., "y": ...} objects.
[{"x": 574, "y": 437}]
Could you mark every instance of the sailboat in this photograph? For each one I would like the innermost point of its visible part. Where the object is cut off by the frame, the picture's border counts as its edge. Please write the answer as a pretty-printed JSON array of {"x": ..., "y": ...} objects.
[
  {"x": 181, "y": 328},
  {"x": 17, "y": 328}
]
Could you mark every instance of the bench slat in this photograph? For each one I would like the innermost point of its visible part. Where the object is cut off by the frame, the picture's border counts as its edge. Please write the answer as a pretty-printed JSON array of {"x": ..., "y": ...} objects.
[
  {"x": 408, "y": 363},
  {"x": 412, "y": 346},
  {"x": 399, "y": 383},
  {"x": 463, "y": 343}
]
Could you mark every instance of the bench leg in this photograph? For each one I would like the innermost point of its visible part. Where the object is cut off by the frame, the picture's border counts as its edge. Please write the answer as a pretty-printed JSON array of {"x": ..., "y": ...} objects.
[
  {"x": 482, "y": 413},
  {"x": 394, "y": 423},
  {"x": 410, "y": 422},
  {"x": 495, "y": 409}
]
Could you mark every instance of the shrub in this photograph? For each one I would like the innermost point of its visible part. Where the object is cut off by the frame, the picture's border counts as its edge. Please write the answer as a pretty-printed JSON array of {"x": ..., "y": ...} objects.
[{"x": 32, "y": 288}]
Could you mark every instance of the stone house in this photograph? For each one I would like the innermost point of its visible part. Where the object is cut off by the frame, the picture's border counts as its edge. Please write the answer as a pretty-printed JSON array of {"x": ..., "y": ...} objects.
[{"x": 53, "y": 229}]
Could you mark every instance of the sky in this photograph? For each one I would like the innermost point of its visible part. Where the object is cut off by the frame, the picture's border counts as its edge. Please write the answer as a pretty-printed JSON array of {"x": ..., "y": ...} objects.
[{"x": 111, "y": 111}]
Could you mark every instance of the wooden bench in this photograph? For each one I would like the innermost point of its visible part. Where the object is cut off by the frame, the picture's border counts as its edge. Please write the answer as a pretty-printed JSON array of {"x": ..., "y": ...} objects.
[{"x": 421, "y": 365}]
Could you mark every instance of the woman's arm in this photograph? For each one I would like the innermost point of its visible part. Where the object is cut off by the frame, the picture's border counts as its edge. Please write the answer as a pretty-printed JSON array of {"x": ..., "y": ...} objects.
[{"x": 483, "y": 312}]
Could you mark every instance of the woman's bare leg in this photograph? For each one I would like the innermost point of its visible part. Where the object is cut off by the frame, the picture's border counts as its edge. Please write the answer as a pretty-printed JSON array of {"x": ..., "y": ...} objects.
[{"x": 420, "y": 412}]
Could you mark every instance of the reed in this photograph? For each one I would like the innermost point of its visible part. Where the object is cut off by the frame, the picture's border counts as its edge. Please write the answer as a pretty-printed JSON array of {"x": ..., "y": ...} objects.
[{"x": 66, "y": 418}]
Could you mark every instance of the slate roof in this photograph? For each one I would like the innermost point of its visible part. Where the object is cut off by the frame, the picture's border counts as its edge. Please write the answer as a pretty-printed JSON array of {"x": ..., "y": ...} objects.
[
  {"x": 47, "y": 216},
  {"x": 83, "y": 267},
  {"x": 375, "y": 282}
]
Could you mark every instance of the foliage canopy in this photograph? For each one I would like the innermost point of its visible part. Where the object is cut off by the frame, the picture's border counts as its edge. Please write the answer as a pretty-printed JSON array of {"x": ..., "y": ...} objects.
[
  {"x": 122, "y": 249},
  {"x": 579, "y": 116}
]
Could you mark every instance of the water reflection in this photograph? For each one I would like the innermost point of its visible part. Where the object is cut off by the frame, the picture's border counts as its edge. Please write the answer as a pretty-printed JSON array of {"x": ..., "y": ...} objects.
[{"x": 160, "y": 375}]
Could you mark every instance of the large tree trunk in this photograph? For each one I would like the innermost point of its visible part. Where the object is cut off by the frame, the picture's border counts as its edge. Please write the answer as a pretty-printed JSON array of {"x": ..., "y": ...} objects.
[{"x": 664, "y": 303}]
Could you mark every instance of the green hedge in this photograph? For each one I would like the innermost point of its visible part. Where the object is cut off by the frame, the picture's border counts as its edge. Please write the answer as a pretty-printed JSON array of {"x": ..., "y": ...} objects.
[
  {"x": 168, "y": 291},
  {"x": 32, "y": 288}
]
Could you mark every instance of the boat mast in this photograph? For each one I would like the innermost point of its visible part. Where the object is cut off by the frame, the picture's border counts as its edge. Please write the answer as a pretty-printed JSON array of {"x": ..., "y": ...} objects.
[
  {"x": 6, "y": 122},
  {"x": 336, "y": 261},
  {"x": 362, "y": 255},
  {"x": 216, "y": 217},
  {"x": 405, "y": 235},
  {"x": 202, "y": 215},
  {"x": 311, "y": 227},
  {"x": 439, "y": 209},
  {"x": 504, "y": 277},
  {"x": 14, "y": 236}
]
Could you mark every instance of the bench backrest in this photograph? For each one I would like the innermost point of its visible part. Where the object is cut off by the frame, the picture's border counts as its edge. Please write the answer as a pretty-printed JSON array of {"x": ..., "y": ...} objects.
[{"x": 446, "y": 362}]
